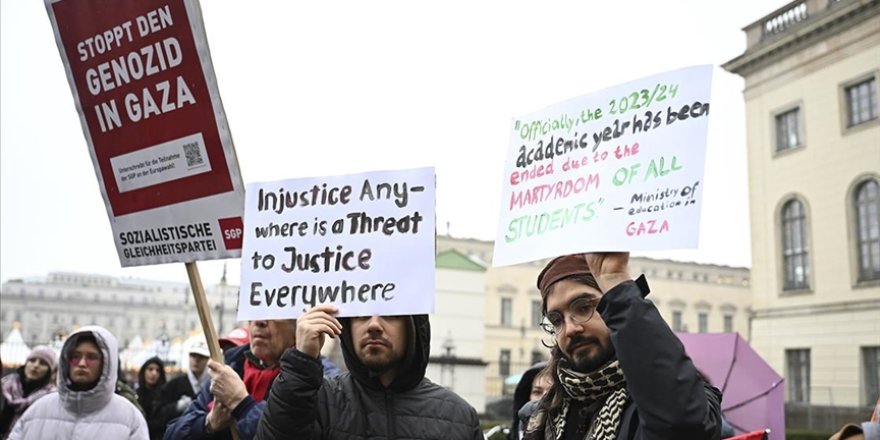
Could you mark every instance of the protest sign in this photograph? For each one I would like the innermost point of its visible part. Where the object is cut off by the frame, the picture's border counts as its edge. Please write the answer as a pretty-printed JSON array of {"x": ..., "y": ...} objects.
[
  {"x": 364, "y": 242},
  {"x": 617, "y": 170},
  {"x": 143, "y": 84}
]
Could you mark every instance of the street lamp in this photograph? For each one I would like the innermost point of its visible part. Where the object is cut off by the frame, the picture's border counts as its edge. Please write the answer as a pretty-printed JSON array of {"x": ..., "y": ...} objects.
[
  {"x": 448, "y": 360},
  {"x": 163, "y": 347}
]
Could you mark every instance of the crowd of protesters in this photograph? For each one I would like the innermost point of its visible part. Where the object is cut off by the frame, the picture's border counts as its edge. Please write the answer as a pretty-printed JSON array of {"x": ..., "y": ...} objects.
[{"x": 615, "y": 371}]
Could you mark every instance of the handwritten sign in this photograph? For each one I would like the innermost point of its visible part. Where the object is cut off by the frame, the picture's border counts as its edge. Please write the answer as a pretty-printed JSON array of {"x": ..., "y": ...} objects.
[
  {"x": 143, "y": 84},
  {"x": 364, "y": 242},
  {"x": 616, "y": 170}
]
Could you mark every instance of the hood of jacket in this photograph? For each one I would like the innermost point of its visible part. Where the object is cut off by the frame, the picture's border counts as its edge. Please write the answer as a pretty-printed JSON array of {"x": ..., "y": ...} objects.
[
  {"x": 142, "y": 382},
  {"x": 412, "y": 369},
  {"x": 91, "y": 400},
  {"x": 523, "y": 392}
]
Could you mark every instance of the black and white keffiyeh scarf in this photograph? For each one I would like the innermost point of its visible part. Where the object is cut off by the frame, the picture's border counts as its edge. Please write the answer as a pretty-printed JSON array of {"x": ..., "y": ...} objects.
[{"x": 607, "y": 382}]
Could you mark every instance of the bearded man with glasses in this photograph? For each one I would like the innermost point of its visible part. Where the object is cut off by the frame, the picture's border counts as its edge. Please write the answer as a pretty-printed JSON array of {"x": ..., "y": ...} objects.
[{"x": 620, "y": 371}]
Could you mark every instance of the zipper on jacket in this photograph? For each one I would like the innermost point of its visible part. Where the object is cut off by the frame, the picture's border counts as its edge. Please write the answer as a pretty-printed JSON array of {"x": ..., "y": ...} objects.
[{"x": 390, "y": 417}]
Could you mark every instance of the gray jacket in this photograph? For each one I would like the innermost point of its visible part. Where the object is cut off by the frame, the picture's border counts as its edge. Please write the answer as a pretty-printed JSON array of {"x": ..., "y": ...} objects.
[{"x": 96, "y": 413}]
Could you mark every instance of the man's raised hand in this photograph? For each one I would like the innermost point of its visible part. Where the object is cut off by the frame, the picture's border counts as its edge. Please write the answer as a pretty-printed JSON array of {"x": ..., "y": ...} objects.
[
  {"x": 609, "y": 268},
  {"x": 313, "y": 326}
]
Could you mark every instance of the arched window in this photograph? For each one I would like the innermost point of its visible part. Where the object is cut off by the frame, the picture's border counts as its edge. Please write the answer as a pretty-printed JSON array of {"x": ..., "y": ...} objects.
[
  {"x": 867, "y": 206},
  {"x": 795, "y": 252}
]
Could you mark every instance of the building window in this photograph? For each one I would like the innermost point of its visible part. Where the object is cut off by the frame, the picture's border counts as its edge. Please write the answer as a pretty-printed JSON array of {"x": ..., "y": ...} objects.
[
  {"x": 676, "y": 321},
  {"x": 536, "y": 313},
  {"x": 788, "y": 130},
  {"x": 728, "y": 323},
  {"x": 861, "y": 102},
  {"x": 798, "y": 377},
  {"x": 795, "y": 253},
  {"x": 703, "y": 322},
  {"x": 867, "y": 210},
  {"x": 506, "y": 312},
  {"x": 537, "y": 356},
  {"x": 504, "y": 363},
  {"x": 871, "y": 361}
]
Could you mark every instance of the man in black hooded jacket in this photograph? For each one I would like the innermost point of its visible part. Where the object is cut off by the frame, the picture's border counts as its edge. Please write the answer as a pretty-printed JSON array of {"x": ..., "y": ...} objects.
[{"x": 384, "y": 394}]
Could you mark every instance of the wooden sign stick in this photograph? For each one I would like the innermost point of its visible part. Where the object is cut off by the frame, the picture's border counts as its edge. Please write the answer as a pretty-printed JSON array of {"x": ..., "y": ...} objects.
[{"x": 195, "y": 281}]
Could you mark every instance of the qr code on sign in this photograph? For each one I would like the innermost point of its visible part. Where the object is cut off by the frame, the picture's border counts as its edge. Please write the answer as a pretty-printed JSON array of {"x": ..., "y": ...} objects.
[{"x": 193, "y": 155}]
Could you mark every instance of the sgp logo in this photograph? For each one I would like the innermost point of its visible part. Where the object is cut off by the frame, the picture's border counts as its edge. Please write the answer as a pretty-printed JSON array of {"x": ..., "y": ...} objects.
[{"x": 233, "y": 231}]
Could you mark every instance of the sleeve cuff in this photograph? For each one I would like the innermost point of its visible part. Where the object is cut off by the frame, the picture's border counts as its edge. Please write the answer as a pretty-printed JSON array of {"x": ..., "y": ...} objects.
[
  {"x": 623, "y": 289},
  {"x": 243, "y": 407}
]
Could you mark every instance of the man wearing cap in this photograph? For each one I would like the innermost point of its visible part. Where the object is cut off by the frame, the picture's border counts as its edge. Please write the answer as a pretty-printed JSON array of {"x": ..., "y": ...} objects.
[
  {"x": 85, "y": 406},
  {"x": 620, "y": 371},
  {"x": 235, "y": 392},
  {"x": 178, "y": 393},
  {"x": 235, "y": 338}
]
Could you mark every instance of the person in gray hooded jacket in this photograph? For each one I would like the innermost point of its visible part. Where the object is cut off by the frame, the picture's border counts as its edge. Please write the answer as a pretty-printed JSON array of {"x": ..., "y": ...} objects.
[{"x": 85, "y": 406}]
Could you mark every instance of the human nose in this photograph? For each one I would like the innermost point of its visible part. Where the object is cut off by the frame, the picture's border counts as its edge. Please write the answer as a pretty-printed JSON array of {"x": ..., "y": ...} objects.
[
  {"x": 570, "y": 325},
  {"x": 374, "y": 324}
]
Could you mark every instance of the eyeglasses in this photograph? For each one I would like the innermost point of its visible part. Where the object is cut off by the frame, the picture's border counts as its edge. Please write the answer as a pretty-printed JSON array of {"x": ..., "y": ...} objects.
[
  {"x": 91, "y": 358},
  {"x": 580, "y": 311}
]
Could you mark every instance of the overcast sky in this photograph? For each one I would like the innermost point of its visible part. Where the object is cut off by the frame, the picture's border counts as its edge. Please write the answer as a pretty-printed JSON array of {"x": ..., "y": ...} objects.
[{"x": 325, "y": 88}]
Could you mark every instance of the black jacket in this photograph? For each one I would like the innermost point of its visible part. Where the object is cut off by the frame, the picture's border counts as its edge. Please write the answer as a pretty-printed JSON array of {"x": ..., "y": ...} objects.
[
  {"x": 521, "y": 396},
  {"x": 146, "y": 397},
  {"x": 165, "y": 405},
  {"x": 355, "y": 405},
  {"x": 667, "y": 398}
]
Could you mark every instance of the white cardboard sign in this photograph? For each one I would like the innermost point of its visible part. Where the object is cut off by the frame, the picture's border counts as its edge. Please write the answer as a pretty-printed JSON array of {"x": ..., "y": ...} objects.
[
  {"x": 616, "y": 170},
  {"x": 364, "y": 242}
]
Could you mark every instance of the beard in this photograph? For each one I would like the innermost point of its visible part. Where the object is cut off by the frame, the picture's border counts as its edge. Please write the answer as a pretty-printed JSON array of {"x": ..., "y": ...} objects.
[
  {"x": 380, "y": 360},
  {"x": 377, "y": 364},
  {"x": 586, "y": 359}
]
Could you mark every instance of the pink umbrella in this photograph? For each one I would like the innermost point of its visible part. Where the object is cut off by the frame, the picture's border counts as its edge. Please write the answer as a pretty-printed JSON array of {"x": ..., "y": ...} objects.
[{"x": 753, "y": 397}]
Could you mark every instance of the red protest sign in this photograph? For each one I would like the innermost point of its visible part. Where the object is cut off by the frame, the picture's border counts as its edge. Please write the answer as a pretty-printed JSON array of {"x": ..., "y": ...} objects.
[{"x": 144, "y": 87}]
